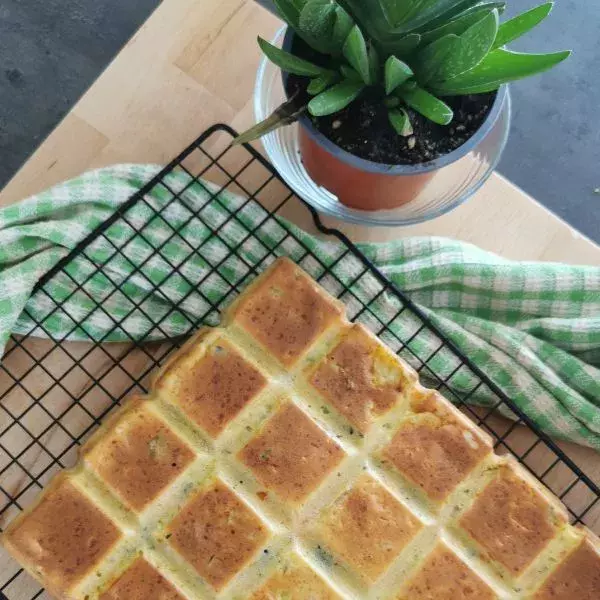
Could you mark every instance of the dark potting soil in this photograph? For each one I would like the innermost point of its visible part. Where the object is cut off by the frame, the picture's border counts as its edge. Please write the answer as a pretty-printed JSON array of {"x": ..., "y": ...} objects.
[{"x": 363, "y": 128}]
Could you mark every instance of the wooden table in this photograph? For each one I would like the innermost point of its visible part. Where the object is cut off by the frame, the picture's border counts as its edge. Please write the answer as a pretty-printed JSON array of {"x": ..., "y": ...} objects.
[{"x": 192, "y": 64}]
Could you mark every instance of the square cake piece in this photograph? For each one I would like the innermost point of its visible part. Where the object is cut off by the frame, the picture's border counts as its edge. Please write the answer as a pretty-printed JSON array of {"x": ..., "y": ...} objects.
[
  {"x": 63, "y": 538},
  {"x": 511, "y": 521},
  {"x": 217, "y": 533},
  {"x": 211, "y": 382},
  {"x": 139, "y": 456},
  {"x": 361, "y": 378},
  {"x": 295, "y": 580},
  {"x": 141, "y": 581},
  {"x": 436, "y": 447},
  {"x": 443, "y": 575},
  {"x": 291, "y": 455},
  {"x": 367, "y": 527},
  {"x": 577, "y": 576},
  {"x": 288, "y": 454},
  {"x": 286, "y": 312}
]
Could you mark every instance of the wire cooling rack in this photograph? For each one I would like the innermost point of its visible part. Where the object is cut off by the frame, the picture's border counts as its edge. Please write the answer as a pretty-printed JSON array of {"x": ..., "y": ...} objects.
[{"x": 54, "y": 394}]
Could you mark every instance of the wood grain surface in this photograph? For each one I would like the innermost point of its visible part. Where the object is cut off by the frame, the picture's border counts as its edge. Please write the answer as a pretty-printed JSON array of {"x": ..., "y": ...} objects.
[{"x": 192, "y": 64}]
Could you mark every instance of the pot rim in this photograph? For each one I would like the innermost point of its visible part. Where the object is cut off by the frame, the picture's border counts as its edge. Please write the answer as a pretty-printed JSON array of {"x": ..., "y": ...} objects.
[{"x": 387, "y": 169}]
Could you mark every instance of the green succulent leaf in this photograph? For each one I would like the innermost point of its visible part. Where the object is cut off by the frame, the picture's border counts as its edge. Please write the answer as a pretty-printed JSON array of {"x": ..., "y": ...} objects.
[
  {"x": 460, "y": 9},
  {"x": 396, "y": 72},
  {"x": 290, "y": 63},
  {"x": 335, "y": 98},
  {"x": 370, "y": 16},
  {"x": 469, "y": 49},
  {"x": 514, "y": 28},
  {"x": 321, "y": 83},
  {"x": 289, "y": 10},
  {"x": 458, "y": 25},
  {"x": 317, "y": 19},
  {"x": 426, "y": 104},
  {"x": 429, "y": 59},
  {"x": 410, "y": 15},
  {"x": 395, "y": 11},
  {"x": 351, "y": 74},
  {"x": 341, "y": 28},
  {"x": 401, "y": 45},
  {"x": 355, "y": 51},
  {"x": 417, "y": 50},
  {"x": 498, "y": 67},
  {"x": 400, "y": 121}
]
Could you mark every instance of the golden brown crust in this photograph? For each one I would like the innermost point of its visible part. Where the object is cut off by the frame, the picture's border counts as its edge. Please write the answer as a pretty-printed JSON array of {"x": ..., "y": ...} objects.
[
  {"x": 199, "y": 340},
  {"x": 211, "y": 388},
  {"x": 576, "y": 578},
  {"x": 139, "y": 456},
  {"x": 368, "y": 528},
  {"x": 286, "y": 311},
  {"x": 295, "y": 582},
  {"x": 141, "y": 581},
  {"x": 443, "y": 576},
  {"x": 360, "y": 378},
  {"x": 62, "y": 538},
  {"x": 436, "y": 449},
  {"x": 217, "y": 534},
  {"x": 291, "y": 455},
  {"x": 511, "y": 521}
]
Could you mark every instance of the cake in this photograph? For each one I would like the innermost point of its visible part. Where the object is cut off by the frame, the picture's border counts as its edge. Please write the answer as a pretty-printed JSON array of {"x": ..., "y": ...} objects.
[{"x": 289, "y": 454}]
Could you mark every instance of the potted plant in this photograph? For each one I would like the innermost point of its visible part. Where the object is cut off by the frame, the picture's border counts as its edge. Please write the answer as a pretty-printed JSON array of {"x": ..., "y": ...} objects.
[{"x": 389, "y": 91}]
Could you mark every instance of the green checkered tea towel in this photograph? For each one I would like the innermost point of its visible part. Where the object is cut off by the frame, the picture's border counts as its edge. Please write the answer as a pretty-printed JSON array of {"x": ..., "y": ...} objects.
[{"x": 533, "y": 328}]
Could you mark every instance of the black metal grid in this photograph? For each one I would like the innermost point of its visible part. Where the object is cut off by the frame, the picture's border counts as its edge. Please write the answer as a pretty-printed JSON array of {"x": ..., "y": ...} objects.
[{"x": 54, "y": 394}]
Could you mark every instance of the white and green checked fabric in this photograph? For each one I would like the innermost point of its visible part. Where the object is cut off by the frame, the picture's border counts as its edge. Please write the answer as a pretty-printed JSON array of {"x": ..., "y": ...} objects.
[{"x": 533, "y": 328}]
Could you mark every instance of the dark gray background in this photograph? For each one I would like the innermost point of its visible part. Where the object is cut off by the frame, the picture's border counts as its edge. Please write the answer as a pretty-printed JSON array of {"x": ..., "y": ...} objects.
[{"x": 52, "y": 50}]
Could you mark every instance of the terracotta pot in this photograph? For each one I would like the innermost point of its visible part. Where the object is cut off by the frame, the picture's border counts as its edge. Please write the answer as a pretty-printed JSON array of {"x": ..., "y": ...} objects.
[
  {"x": 355, "y": 187},
  {"x": 367, "y": 185}
]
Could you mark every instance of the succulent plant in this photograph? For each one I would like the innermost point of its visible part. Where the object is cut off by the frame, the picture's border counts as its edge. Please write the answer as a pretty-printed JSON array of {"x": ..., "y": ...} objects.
[{"x": 417, "y": 51}]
